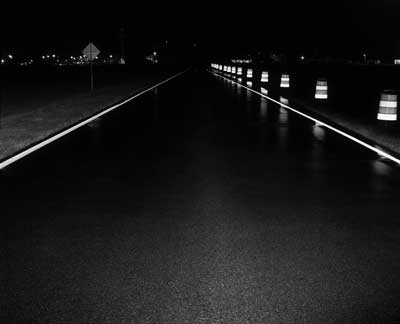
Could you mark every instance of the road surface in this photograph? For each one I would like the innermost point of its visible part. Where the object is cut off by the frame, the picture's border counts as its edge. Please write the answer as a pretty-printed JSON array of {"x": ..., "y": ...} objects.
[{"x": 201, "y": 203}]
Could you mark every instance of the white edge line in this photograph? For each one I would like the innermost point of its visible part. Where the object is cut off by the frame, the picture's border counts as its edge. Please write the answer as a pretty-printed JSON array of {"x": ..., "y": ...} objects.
[
  {"x": 321, "y": 123},
  {"x": 53, "y": 138}
]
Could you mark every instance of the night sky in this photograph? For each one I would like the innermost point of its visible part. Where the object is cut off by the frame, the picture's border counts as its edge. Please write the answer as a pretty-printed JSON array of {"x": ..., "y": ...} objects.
[{"x": 326, "y": 27}]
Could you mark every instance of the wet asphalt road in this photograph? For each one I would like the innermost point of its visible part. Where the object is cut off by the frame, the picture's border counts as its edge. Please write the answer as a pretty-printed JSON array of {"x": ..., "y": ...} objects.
[{"x": 201, "y": 203}]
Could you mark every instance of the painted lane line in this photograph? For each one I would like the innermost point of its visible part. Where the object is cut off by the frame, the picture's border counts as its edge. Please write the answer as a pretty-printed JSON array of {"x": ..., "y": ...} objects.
[
  {"x": 321, "y": 123},
  {"x": 64, "y": 132}
]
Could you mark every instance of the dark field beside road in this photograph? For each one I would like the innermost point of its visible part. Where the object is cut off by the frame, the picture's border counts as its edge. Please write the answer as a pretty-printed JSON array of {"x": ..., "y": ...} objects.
[{"x": 39, "y": 101}]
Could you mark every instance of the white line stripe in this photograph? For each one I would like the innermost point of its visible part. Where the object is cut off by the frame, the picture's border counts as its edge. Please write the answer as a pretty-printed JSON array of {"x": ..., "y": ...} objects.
[
  {"x": 51, "y": 139},
  {"x": 321, "y": 123}
]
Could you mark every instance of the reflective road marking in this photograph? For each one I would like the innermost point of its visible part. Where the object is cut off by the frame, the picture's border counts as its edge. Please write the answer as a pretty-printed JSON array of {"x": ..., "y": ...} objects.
[{"x": 64, "y": 132}]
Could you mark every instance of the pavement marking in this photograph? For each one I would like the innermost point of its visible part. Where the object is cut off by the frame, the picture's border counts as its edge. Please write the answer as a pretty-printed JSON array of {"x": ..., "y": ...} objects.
[
  {"x": 320, "y": 123},
  {"x": 35, "y": 147}
]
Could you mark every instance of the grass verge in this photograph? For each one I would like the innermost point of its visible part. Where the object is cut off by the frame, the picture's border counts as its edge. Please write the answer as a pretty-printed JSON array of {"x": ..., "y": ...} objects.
[{"x": 36, "y": 122}]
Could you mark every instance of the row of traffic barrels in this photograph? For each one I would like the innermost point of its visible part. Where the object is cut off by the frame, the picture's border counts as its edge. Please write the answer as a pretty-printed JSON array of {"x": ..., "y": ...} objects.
[
  {"x": 388, "y": 104},
  {"x": 321, "y": 87}
]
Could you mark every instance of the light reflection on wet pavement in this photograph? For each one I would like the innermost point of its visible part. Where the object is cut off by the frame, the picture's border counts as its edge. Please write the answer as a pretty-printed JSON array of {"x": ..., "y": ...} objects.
[{"x": 201, "y": 203}]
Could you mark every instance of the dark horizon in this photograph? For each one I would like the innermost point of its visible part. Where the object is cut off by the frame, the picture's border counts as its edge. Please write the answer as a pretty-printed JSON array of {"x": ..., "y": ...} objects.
[{"x": 333, "y": 28}]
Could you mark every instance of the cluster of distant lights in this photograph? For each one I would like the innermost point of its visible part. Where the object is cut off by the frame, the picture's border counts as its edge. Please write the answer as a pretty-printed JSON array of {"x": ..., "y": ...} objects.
[
  {"x": 74, "y": 60},
  {"x": 241, "y": 61},
  {"x": 56, "y": 60},
  {"x": 153, "y": 57},
  {"x": 9, "y": 57},
  {"x": 395, "y": 61}
]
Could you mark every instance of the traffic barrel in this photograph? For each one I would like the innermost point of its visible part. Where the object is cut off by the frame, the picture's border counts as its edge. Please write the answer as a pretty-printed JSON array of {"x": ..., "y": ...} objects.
[
  {"x": 264, "y": 76},
  {"x": 388, "y": 106},
  {"x": 249, "y": 73},
  {"x": 229, "y": 69},
  {"x": 239, "y": 71},
  {"x": 285, "y": 81},
  {"x": 321, "y": 89},
  {"x": 233, "y": 69}
]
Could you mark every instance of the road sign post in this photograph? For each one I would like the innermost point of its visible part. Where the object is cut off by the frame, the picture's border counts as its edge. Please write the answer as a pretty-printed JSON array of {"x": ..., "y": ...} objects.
[
  {"x": 91, "y": 52},
  {"x": 91, "y": 76}
]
